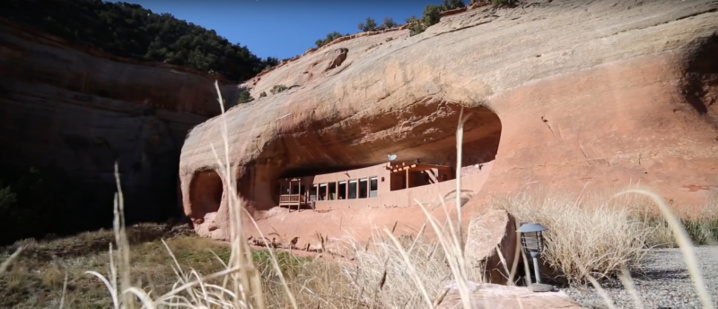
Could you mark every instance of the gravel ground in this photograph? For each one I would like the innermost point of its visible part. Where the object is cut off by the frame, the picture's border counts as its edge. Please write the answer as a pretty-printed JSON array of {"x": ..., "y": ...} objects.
[{"x": 664, "y": 282}]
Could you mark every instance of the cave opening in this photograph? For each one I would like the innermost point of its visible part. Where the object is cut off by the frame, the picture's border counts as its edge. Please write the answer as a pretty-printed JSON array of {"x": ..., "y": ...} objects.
[
  {"x": 700, "y": 88},
  {"x": 342, "y": 166},
  {"x": 206, "y": 193}
]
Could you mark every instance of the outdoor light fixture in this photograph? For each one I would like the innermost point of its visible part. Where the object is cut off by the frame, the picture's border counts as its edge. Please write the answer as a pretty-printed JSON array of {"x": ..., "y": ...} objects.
[{"x": 532, "y": 244}]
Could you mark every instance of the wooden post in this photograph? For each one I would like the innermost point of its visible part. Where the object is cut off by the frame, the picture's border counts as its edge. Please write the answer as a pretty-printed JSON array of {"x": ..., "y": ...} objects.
[
  {"x": 407, "y": 179},
  {"x": 368, "y": 187}
]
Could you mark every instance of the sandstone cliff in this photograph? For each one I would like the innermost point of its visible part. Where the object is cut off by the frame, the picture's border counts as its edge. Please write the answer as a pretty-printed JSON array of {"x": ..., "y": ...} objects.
[
  {"x": 564, "y": 94},
  {"x": 80, "y": 111}
]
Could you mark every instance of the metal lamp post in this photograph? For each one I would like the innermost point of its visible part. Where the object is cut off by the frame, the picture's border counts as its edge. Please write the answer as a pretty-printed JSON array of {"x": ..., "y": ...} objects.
[{"x": 532, "y": 244}]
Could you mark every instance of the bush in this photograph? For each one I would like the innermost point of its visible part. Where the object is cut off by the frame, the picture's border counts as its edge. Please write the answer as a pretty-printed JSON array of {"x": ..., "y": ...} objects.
[
  {"x": 263, "y": 94},
  {"x": 453, "y": 4},
  {"x": 509, "y": 3},
  {"x": 387, "y": 24},
  {"x": 382, "y": 278},
  {"x": 244, "y": 96},
  {"x": 278, "y": 88},
  {"x": 432, "y": 15},
  {"x": 599, "y": 234},
  {"x": 369, "y": 25},
  {"x": 415, "y": 26},
  {"x": 330, "y": 37},
  {"x": 37, "y": 202}
]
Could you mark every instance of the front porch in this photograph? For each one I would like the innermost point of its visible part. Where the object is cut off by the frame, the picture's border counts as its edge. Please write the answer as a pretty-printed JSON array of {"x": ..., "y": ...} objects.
[{"x": 294, "y": 195}]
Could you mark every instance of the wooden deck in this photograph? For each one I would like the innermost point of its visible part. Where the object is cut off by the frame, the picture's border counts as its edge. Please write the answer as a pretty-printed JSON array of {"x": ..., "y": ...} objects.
[{"x": 294, "y": 200}]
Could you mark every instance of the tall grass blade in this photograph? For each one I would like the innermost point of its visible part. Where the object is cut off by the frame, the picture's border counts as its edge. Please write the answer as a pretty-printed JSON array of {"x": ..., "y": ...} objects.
[
  {"x": 123, "y": 246},
  {"x": 412, "y": 270},
  {"x": 5, "y": 264}
]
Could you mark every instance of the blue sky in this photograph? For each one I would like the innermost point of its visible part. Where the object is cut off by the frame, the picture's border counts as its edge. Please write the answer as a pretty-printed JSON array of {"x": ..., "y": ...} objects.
[{"x": 284, "y": 28}]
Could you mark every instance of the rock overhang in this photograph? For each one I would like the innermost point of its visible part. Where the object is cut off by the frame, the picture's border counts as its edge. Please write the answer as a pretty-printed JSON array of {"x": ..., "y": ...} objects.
[{"x": 481, "y": 62}]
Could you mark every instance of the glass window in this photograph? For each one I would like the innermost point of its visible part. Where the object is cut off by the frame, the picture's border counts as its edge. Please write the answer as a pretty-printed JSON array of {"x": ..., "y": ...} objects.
[
  {"x": 373, "y": 187},
  {"x": 313, "y": 193},
  {"x": 352, "y": 189},
  {"x": 322, "y": 192},
  {"x": 363, "y": 186},
  {"x": 333, "y": 191},
  {"x": 342, "y": 190}
]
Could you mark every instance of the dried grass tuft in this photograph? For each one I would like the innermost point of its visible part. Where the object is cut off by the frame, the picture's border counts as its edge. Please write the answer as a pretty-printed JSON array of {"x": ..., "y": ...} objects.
[{"x": 587, "y": 232}]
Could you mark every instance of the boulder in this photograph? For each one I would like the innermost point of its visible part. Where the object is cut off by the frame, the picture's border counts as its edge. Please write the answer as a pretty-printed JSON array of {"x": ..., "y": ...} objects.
[
  {"x": 336, "y": 58},
  {"x": 489, "y": 296},
  {"x": 492, "y": 244}
]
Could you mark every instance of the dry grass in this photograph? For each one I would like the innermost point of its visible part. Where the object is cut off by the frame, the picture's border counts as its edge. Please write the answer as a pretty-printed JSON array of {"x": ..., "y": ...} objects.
[
  {"x": 703, "y": 227},
  {"x": 36, "y": 278},
  {"x": 382, "y": 278},
  {"x": 597, "y": 233}
]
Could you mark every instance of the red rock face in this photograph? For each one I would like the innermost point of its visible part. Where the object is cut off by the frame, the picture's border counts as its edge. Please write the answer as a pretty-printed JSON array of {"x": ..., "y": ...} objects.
[
  {"x": 82, "y": 112},
  {"x": 564, "y": 96}
]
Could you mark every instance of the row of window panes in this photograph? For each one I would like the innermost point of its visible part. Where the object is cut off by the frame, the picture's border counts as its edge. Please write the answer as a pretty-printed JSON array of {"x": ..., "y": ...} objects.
[{"x": 328, "y": 191}]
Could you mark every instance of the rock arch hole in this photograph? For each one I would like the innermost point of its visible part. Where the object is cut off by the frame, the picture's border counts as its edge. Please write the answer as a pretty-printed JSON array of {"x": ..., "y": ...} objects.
[
  {"x": 206, "y": 190},
  {"x": 701, "y": 76}
]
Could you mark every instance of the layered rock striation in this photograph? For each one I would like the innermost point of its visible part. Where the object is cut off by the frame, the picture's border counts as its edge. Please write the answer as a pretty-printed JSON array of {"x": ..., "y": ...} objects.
[{"x": 562, "y": 94}]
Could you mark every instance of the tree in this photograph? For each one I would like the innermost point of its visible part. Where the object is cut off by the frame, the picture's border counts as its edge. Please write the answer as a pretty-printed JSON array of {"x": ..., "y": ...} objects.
[
  {"x": 415, "y": 25},
  {"x": 330, "y": 37},
  {"x": 388, "y": 23},
  {"x": 369, "y": 25},
  {"x": 432, "y": 14},
  {"x": 453, "y": 4},
  {"x": 130, "y": 31}
]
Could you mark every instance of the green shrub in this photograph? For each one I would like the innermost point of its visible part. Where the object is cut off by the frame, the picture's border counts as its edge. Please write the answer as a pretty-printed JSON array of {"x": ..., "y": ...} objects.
[
  {"x": 509, "y": 3},
  {"x": 369, "y": 25},
  {"x": 702, "y": 231},
  {"x": 415, "y": 26},
  {"x": 244, "y": 96},
  {"x": 263, "y": 94},
  {"x": 387, "y": 24},
  {"x": 36, "y": 202},
  {"x": 330, "y": 37},
  {"x": 278, "y": 88},
  {"x": 432, "y": 15},
  {"x": 453, "y": 4}
]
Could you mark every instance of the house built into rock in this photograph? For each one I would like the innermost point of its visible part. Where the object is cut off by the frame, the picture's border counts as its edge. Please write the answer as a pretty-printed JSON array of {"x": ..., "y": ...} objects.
[{"x": 381, "y": 185}]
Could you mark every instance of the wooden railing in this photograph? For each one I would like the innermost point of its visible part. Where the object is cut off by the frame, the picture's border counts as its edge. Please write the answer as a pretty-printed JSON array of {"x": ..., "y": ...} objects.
[{"x": 291, "y": 199}]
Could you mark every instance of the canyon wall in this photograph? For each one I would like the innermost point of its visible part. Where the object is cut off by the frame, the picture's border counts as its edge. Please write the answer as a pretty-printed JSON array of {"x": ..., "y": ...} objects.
[
  {"x": 80, "y": 111},
  {"x": 563, "y": 95}
]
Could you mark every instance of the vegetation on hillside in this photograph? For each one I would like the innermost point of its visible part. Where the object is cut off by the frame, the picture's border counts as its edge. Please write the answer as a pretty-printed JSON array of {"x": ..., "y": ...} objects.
[
  {"x": 129, "y": 30},
  {"x": 330, "y": 37},
  {"x": 38, "y": 202},
  {"x": 432, "y": 15}
]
